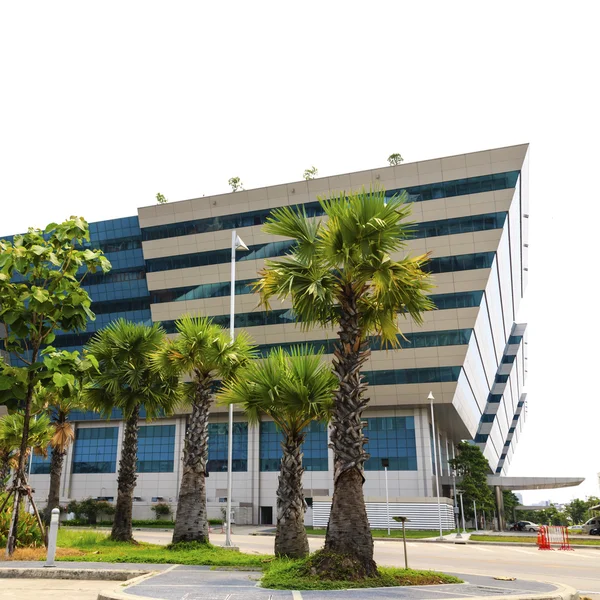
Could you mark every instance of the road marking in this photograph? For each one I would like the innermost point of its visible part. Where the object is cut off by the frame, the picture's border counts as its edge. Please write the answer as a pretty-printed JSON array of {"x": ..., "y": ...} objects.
[
  {"x": 524, "y": 551},
  {"x": 296, "y": 595},
  {"x": 484, "y": 550}
]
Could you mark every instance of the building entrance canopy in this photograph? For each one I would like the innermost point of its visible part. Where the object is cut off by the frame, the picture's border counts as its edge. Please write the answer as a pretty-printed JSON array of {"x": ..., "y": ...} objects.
[{"x": 525, "y": 483}]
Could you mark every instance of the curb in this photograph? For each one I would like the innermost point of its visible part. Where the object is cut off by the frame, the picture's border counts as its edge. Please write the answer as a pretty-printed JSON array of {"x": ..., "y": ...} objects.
[
  {"x": 119, "y": 595},
  {"x": 60, "y": 573}
]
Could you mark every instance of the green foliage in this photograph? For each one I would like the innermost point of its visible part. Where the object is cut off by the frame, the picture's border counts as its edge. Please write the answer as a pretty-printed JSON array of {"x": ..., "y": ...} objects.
[
  {"x": 161, "y": 199},
  {"x": 98, "y": 547},
  {"x": 89, "y": 510},
  {"x": 40, "y": 293},
  {"x": 394, "y": 159},
  {"x": 287, "y": 574},
  {"x": 531, "y": 539},
  {"x": 150, "y": 523},
  {"x": 162, "y": 509},
  {"x": 202, "y": 350},
  {"x": 293, "y": 388},
  {"x": 350, "y": 252},
  {"x": 310, "y": 173},
  {"x": 28, "y": 533},
  {"x": 577, "y": 511},
  {"x": 472, "y": 467},
  {"x": 510, "y": 501},
  {"x": 236, "y": 184},
  {"x": 125, "y": 378},
  {"x": 39, "y": 434}
]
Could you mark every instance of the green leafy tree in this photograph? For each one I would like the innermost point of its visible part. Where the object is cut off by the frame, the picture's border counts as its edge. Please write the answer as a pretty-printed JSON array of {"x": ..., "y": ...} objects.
[
  {"x": 161, "y": 199},
  {"x": 40, "y": 293},
  {"x": 344, "y": 273},
  {"x": 472, "y": 469},
  {"x": 395, "y": 159},
  {"x": 576, "y": 510},
  {"x": 510, "y": 503},
  {"x": 90, "y": 509},
  {"x": 236, "y": 184},
  {"x": 126, "y": 380},
  {"x": 310, "y": 173},
  {"x": 293, "y": 389},
  {"x": 204, "y": 353}
]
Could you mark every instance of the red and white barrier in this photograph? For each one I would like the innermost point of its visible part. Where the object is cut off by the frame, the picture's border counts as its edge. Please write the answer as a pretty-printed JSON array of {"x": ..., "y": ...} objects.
[{"x": 553, "y": 535}]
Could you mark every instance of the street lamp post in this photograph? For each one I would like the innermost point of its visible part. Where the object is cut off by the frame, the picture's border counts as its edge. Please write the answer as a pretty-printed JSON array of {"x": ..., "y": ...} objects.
[
  {"x": 236, "y": 243},
  {"x": 475, "y": 510},
  {"x": 462, "y": 510},
  {"x": 385, "y": 463},
  {"x": 456, "y": 522},
  {"x": 435, "y": 462}
]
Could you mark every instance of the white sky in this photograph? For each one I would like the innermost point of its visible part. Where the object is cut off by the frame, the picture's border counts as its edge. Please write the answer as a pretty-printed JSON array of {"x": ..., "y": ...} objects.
[{"x": 102, "y": 105}]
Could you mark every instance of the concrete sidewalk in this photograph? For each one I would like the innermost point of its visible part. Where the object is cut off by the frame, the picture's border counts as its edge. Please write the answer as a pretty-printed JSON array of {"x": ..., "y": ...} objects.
[{"x": 189, "y": 582}]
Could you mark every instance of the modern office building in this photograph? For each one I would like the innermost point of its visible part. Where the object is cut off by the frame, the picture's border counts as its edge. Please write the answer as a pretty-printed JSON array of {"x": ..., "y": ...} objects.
[{"x": 471, "y": 214}]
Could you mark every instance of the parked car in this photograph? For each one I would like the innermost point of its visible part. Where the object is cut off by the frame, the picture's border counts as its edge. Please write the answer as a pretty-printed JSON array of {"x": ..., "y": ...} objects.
[
  {"x": 525, "y": 526},
  {"x": 590, "y": 524},
  {"x": 595, "y": 531},
  {"x": 575, "y": 528}
]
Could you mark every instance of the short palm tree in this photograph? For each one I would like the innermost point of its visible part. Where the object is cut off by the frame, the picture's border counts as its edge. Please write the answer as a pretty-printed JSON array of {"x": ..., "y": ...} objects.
[
  {"x": 345, "y": 272},
  {"x": 204, "y": 353},
  {"x": 293, "y": 389},
  {"x": 58, "y": 406},
  {"x": 11, "y": 435},
  {"x": 126, "y": 380}
]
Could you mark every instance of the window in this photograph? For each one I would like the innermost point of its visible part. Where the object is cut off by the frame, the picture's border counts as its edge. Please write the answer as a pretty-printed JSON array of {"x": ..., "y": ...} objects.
[
  {"x": 156, "y": 449},
  {"x": 314, "y": 447},
  {"x": 420, "y": 193},
  {"x": 407, "y": 376},
  {"x": 392, "y": 438},
  {"x": 41, "y": 465},
  {"x": 485, "y": 418},
  {"x": 217, "y": 447},
  {"x": 95, "y": 450}
]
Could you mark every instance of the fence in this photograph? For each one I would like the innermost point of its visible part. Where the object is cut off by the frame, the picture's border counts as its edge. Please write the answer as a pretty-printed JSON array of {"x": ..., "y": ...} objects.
[{"x": 553, "y": 535}]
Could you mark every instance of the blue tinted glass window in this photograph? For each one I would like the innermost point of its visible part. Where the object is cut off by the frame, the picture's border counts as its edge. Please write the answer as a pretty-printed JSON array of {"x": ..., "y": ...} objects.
[
  {"x": 446, "y": 189},
  {"x": 156, "y": 449},
  {"x": 392, "y": 438},
  {"x": 481, "y": 438},
  {"x": 217, "y": 447},
  {"x": 95, "y": 450},
  {"x": 487, "y": 418},
  {"x": 515, "y": 339},
  {"x": 41, "y": 465}
]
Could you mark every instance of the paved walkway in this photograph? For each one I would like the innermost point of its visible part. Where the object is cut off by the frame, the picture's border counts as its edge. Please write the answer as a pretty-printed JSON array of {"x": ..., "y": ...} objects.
[
  {"x": 188, "y": 582},
  {"x": 201, "y": 583}
]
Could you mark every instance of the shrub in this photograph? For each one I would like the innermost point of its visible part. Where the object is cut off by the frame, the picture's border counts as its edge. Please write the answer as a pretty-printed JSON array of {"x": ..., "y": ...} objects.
[
  {"x": 29, "y": 533},
  {"x": 89, "y": 510},
  {"x": 162, "y": 509}
]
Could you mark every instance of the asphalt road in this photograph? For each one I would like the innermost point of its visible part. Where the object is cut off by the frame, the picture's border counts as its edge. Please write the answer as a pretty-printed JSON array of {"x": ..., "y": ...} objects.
[{"x": 579, "y": 568}]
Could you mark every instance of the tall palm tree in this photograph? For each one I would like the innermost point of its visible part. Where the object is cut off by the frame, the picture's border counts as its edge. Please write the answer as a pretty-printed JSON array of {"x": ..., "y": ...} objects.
[
  {"x": 204, "y": 353},
  {"x": 293, "y": 389},
  {"x": 126, "y": 380},
  {"x": 345, "y": 272},
  {"x": 58, "y": 405}
]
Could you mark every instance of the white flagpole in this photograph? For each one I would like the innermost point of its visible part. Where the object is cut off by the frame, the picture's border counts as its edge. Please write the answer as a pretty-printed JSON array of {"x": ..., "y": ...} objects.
[{"x": 435, "y": 462}]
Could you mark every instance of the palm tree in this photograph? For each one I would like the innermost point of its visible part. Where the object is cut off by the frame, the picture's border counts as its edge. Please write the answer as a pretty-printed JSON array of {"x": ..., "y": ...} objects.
[
  {"x": 58, "y": 406},
  {"x": 204, "y": 353},
  {"x": 293, "y": 389},
  {"x": 343, "y": 273},
  {"x": 126, "y": 380}
]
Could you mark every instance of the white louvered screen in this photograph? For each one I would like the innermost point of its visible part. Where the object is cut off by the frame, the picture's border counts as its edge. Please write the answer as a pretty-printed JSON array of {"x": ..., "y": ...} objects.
[{"x": 420, "y": 515}]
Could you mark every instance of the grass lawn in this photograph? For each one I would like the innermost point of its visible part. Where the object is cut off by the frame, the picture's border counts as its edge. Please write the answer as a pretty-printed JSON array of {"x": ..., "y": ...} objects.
[
  {"x": 527, "y": 540},
  {"x": 94, "y": 546},
  {"x": 395, "y": 533}
]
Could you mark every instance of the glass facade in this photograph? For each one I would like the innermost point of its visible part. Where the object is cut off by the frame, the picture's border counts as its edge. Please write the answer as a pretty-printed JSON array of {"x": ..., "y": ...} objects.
[
  {"x": 420, "y": 193},
  {"x": 424, "y": 339},
  {"x": 392, "y": 438},
  {"x": 407, "y": 376},
  {"x": 217, "y": 447},
  {"x": 95, "y": 450},
  {"x": 156, "y": 449},
  {"x": 41, "y": 465},
  {"x": 275, "y": 249},
  {"x": 314, "y": 447}
]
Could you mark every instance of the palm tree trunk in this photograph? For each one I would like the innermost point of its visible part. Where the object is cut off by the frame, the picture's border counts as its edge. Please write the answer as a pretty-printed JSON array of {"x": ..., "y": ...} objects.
[
  {"x": 291, "y": 539},
  {"x": 191, "y": 523},
  {"x": 56, "y": 465},
  {"x": 348, "y": 531},
  {"x": 4, "y": 468},
  {"x": 122, "y": 529}
]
